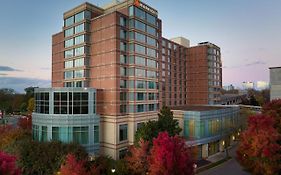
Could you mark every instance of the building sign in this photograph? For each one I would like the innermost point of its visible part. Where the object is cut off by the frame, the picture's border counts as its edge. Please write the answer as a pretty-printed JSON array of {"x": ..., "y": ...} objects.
[{"x": 139, "y": 4}]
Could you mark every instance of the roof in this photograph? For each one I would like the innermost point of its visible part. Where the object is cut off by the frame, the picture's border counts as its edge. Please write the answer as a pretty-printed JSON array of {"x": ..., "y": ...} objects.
[
  {"x": 275, "y": 68},
  {"x": 198, "y": 108}
]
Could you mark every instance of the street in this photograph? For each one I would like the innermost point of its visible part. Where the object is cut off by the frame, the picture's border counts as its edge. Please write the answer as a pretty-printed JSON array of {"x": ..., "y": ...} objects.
[
  {"x": 230, "y": 167},
  {"x": 12, "y": 120}
]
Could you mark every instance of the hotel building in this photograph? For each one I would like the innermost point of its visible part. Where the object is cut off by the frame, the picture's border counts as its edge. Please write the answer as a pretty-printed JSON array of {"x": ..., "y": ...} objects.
[
  {"x": 118, "y": 53},
  {"x": 275, "y": 83}
]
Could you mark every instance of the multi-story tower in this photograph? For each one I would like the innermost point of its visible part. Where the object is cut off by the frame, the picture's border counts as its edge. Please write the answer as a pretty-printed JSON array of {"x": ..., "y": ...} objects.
[
  {"x": 115, "y": 50},
  {"x": 275, "y": 83},
  {"x": 119, "y": 51},
  {"x": 204, "y": 74}
]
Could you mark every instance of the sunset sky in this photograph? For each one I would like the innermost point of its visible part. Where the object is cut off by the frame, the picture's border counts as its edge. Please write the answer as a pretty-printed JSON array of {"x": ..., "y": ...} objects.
[{"x": 248, "y": 32}]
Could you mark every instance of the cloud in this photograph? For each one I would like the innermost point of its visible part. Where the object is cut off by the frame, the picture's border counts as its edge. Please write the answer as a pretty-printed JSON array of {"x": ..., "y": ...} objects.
[
  {"x": 254, "y": 63},
  {"x": 7, "y": 68},
  {"x": 45, "y": 68},
  {"x": 2, "y": 74},
  {"x": 20, "y": 83}
]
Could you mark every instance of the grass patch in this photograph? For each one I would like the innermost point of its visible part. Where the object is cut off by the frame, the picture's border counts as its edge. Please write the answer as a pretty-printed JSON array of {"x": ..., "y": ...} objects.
[{"x": 212, "y": 165}]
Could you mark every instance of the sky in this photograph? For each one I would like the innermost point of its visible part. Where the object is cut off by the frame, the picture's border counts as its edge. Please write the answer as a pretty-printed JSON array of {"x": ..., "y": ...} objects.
[{"x": 247, "y": 31}]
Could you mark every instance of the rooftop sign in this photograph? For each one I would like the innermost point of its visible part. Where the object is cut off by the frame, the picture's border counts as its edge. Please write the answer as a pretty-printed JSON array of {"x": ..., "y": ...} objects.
[{"x": 139, "y": 4}]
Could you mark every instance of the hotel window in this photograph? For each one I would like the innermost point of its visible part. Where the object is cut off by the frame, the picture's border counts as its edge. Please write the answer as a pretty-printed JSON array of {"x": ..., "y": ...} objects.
[
  {"x": 131, "y": 96},
  {"x": 140, "y": 108},
  {"x": 69, "y": 21},
  {"x": 123, "y": 34},
  {"x": 68, "y": 75},
  {"x": 68, "y": 43},
  {"x": 79, "y": 39},
  {"x": 131, "y": 84},
  {"x": 151, "y": 85},
  {"x": 151, "y": 30},
  {"x": 123, "y": 84},
  {"x": 151, "y": 52},
  {"x": 151, "y": 96},
  {"x": 123, "y": 46},
  {"x": 60, "y": 103},
  {"x": 80, "y": 103},
  {"x": 79, "y": 28},
  {"x": 81, "y": 135},
  {"x": 151, "y": 74},
  {"x": 68, "y": 64},
  {"x": 139, "y": 125},
  {"x": 78, "y": 84},
  {"x": 151, "y": 19},
  {"x": 123, "y": 71},
  {"x": 139, "y": 37},
  {"x": 131, "y": 11},
  {"x": 163, "y": 43},
  {"x": 140, "y": 96},
  {"x": 123, "y": 108},
  {"x": 79, "y": 62},
  {"x": 140, "y": 73},
  {"x": 96, "y": 134},
  {"x": 151, "y": 63},
  {"x": 79, "y": 17},
  {"x": 79, "y": 74},
  {"x": 123, "y": 59},
  {"x": 44, "y": 134},
  {"x": 131, "y": 71},
  {"x": 123, "y": 21},
  {"x": 42, "y": 103},
  {"x": 79, "y": 51},
  {"x": 123, "y": 132},
  {"x": 68, "y": 53},
  {"x": 35, "y": 132},
  {"x": 139, "y": 25},
  {"x": 140, "y": 61},
  {"x": 68, "y": 32},
  {"x": 140, "y": 84},
  {"x": 151, "y": 107},
  {"x": 140, "y": 49},
  {"x": 139, "y": 13},
  {"x": 151, "y": 41},
  {"x": 123, "y": 96}
]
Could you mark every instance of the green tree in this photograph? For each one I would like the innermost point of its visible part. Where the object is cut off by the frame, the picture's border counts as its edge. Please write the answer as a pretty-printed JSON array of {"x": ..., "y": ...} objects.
[
  {"x": 165, "y": 122},
  {"x": 46, "y": 158},
  {"x": 30, "y": 106}
]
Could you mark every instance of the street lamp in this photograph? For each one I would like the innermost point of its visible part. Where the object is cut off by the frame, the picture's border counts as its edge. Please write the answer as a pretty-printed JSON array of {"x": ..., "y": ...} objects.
[{"x": 113, "y": 170}]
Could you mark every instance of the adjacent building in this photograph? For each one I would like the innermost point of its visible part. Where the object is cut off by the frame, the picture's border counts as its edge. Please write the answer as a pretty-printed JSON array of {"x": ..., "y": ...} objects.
[
  {"x": 275, "y": 83},
  {"x": 262, "y": 85},
  {"x": 210, "y": 128},
  {"x": 124, "y": 70},
  {"x": 204, "y": 74},
  {"x": 247, "y": 85}
]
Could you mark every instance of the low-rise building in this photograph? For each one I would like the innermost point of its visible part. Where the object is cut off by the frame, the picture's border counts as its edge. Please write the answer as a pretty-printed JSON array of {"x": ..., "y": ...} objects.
[{"x": 210, "y": 128}]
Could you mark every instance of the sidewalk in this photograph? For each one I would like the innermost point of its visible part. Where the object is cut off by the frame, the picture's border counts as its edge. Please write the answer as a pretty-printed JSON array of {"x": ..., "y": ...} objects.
[{"x": 215, "y": 158}]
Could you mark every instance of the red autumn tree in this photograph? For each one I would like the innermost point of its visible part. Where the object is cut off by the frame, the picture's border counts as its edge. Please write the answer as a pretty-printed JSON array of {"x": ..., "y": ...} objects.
[
  {"x": 8, "y": 164},
  {"x": 170, "y": 156},
  {"x": 258, "y": 148},
  {"x": 25, "y": 122},
  {"x": 137, "y": 159},
  {"x": 273, "y": 109},
  {"x": 73, "y": 166}
]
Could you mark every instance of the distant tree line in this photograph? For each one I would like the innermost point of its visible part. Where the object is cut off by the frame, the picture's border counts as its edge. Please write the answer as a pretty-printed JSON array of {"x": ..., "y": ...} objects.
[{"x": 13, "y": 102}]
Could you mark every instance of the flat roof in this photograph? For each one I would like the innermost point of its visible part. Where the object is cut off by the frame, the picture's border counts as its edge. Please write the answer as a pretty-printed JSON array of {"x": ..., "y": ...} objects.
[
  {"x": 198, "y": 108},
  {"x": 274, "y": 67}
]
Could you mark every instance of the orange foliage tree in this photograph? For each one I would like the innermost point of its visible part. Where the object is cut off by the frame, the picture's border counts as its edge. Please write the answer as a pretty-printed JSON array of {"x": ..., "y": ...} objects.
[
  {"x": 73, "y": 166},
  {"x": 138, "y": 159},
  {"x": 258, "y": 148}
]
